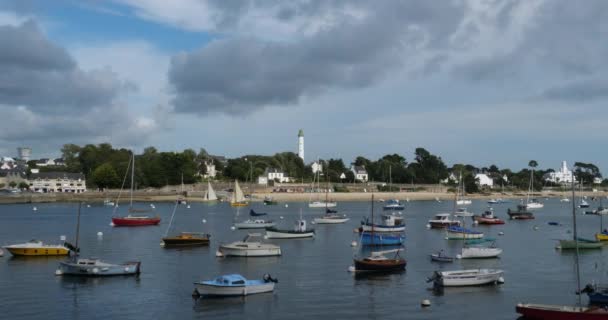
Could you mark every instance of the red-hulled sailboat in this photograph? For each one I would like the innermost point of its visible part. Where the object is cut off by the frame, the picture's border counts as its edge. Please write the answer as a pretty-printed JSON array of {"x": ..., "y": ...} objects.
[
  {"x": 133, "y": 220},
  {"x": 561, "y": 312}
]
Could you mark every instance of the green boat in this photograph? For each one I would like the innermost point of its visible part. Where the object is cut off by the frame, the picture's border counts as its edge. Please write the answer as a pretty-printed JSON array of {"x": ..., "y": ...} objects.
[{"x": 582, "y": 244}]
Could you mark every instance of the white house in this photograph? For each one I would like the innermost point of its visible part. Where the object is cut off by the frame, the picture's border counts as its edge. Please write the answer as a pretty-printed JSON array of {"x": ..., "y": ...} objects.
[
  {"x": 360, "y": 173},
  {"x": 483, "y": 180},
  {"x": 272, "y": 175},
  {"x": 58, "y": 182},
  {"x": 564, "y": 175},
  {"x": 451, "y": 178},
  {"x": 210, "y": 168},
  {"x": 316, "y": 167}
]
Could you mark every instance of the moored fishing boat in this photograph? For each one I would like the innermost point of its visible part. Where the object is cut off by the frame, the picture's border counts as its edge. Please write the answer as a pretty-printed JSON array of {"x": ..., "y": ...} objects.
[
  {"x": 459, "y": 233},
  {"x": 441, "y": 257},
  {"x": 390, "y": 223},
  {"x": 299, "y": 231},
  {"x": 443, "y": 220},
  {"x": 521, "y": 213},
  {"x": 378, "y": 261},
  {"x": 463, "y": 278},
  {"x": 233, "y": 285},
  {"x": 249, "y": 248},
  {"x": 393, "y": 204},
  {"x": 487, "y": 217},
  {"x": 381, "y": 239},
  {"x": 97, "y": 268}
]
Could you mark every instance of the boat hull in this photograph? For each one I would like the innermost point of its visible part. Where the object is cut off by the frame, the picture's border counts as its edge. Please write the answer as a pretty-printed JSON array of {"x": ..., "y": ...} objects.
[
  {"x": 232, "y": 251},
  {"x": 239, "y": 204},
  {"x": 382, "y": 228},
  {"x": 42, "y": 251},
  {"x": 571, "y": 245},
  {"x": 601, "y": 237},
  {"x": 74, "y": 269},
  {"x": 135, "y": 222},
  {"x": 185, "y": 242},
  {"x": 555, "y": 312},
  {"x": 207, "y": 290},
  {"x": 242, "y": 225},
  {"x": 440, "y": 258},
  {"x": 443, "y": 225},
  {"x": 381, "y": 265},
  {"x": 322, "y": 205},
  {"x": 367, "y": 239},
  {"x": 395, "y": 208},
  {"x": 480, "y": 253},
  {"x": 330, "y": 220},
  {"x": 272, "y": 233},
  {"x": 466, "y": 278},
  {"x": 489, "y": 221}
]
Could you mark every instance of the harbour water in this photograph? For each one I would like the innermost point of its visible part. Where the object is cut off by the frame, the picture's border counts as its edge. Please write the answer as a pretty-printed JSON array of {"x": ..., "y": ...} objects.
[{"x": 313, "y": 278}]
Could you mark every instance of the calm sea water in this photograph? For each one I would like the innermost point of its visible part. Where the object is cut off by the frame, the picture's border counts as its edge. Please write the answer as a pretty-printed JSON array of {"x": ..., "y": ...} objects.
[{"x": 312, "y": 273}]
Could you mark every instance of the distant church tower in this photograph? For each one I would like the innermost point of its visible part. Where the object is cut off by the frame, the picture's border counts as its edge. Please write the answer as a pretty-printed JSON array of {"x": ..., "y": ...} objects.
[{"x": 301, "y": 144}]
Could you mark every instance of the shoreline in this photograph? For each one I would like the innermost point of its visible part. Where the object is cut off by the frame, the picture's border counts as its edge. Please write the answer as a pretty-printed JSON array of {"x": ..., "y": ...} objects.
[{"x": 95, "y": 197}]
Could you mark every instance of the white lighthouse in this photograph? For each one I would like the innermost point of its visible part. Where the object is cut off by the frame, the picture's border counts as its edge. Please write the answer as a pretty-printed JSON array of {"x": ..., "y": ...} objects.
[{"x": 301, "y": 144}]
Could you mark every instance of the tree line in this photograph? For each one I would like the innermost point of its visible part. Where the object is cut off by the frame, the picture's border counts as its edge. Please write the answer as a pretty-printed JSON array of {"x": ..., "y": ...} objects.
[{"x": 106, "y": 167}]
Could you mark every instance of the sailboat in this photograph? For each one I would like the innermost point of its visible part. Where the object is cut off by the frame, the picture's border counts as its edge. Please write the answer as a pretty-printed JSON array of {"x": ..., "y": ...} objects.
[
  {"x": 377, "y": 260},
  {"x": 321, "y": 204},
  {"x": 386, "y": 234},
  {"x": 532, "y": 203},
  {"x": 460, "y": 199},
  {"x": 95, "y": 267},
  {"x": 331, "y": 216},
  {"x": 392, "y": 204},
  {"x": 184, "y": 239},
  {"x": 582, "y": 202},
  {"x": 558, "y": 312},
  {"x": 210, "y": 194},
  {"x": 238, "y": 198},
  {"x": 133, "y": 220}
]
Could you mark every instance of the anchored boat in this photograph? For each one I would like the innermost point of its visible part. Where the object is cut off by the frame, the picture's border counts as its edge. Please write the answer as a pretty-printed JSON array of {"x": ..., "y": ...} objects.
[
  {"x": 378, "y": 261},
  {"x": 390, "y": 223},
  {"x": 249, "y": 248},
  {"x": 39, "y": 248},
  {"x": 254, "y": 224},
  {"x": 97, "y": 268},
  {"x": 234, "y": 285},
  {"x": 299, "y": 231},
  {"x": 462, "y": 278}
]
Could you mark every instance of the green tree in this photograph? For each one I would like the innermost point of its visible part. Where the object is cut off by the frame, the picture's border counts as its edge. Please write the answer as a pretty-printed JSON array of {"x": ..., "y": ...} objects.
[
  {"x": 23, "y": 185},
  {"x": 12, "y": 184},
  {"x": 105, "y": 176},
  {"x": 428, "y": 168},
  {"x": 69, "y": 154}
]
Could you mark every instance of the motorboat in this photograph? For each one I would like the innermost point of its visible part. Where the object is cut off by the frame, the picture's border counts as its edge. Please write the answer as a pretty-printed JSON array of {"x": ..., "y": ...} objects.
[
  {"x": 378, "y": 261},
  {"x": 186, "y": 239},
  {"x": 390, "y": 223},
  {"x": 459, "y": 233},
  {"x": 583, "y": 204},
  {"x": 254, "y": 224},
  {"x": 248, "y": 247},
  {"x": 560, "y": 312},
  {"x": 39, "y": 248},
  {"x": 462, "y": 278},
  {"x": 440, "y": 257},
  {"x": 233, "y": 285},
  {"x": 534, "y": 204},
  {"x": 487, "y": 217},
  {"x": 299, "y": 231},
  {"x": 393, "y": 204},
  {"x": 443, "y": 220},
  {"x": 479, "y": 252},
  {"x": 462, "y": 202},
  {"x": 322, "y": 204},
  {"x": 97, "y": 268},
  {"x": 269, "y": 201}
]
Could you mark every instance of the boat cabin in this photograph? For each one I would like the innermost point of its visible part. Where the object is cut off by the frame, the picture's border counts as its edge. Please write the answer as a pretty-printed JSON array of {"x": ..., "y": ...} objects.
[{"x": 235, "y": 280}]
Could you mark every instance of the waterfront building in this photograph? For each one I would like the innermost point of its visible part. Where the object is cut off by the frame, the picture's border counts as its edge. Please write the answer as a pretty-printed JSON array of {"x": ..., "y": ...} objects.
[
  {"x": 483, "y": 180},
  {"x": 272, "y": 174},
  {"x": 316, "y": 167},
  {"x": 563, "y": 175},
  {"x": 58, "y": 182},
  {"x": 360, "y": 173}
]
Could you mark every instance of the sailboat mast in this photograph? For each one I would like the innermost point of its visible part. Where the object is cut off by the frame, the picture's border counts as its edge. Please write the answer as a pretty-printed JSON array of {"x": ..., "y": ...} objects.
[
  {"x": 132, "y": 178},
  {"x": 326, "y": 193},
  {"x": 372, "y": 242},
  {"x": 576, "y": 263},
  {"x": 530, "y": 187},
  {"x": 78, "y": 226}
]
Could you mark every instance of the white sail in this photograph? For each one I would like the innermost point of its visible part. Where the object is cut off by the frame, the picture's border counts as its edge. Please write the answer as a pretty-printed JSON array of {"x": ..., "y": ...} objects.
[
  {"x": 210, "y": 195},
  {"x": 237, "y": 195}
]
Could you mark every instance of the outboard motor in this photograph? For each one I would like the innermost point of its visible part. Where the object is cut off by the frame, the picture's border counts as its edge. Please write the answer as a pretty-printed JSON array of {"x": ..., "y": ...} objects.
[{"x": 268, "y": 278}]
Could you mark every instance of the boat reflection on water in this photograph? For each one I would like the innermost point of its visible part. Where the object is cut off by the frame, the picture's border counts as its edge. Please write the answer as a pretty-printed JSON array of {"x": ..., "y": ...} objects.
[
  {"x": 260, "y": 304},
  {"x": 380, "y": 276},
  {"x": 485, "y": 290}
]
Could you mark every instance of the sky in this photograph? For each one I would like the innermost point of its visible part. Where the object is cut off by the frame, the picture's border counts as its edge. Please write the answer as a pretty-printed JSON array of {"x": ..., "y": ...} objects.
[{"x": 478, "y": 82}]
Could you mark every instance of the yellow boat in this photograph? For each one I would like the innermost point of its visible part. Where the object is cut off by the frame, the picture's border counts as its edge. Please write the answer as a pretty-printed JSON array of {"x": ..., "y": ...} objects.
[
  {"x": 38, "y": 248},
  {"x": 238, "y": 198},
  {"x": 601, "y": 236}
]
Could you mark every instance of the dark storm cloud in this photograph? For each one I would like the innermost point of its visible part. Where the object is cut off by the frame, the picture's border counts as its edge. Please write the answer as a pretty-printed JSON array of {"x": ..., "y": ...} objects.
[
  {"x": 239, "y": 75},
  {"x": 36, "y": 73}
]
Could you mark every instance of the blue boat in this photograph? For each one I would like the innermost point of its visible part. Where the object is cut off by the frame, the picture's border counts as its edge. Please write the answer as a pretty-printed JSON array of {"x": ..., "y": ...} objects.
[
  {"x": 379, "y": 239},
  {"x": 457, "y": 232},
  {"x": 597, "y": 295},
  {"x": 393, "y": 204},
  {"x": 233, "y": 285},
  {"x": 255, "y": 214}
]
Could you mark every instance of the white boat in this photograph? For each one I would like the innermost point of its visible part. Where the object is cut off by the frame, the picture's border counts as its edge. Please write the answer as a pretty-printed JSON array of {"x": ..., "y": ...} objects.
[
  {"x": 254, "y": 224},
  {"x": 249, "y": 248},
  {"x": 460, "y": 199},
  {"x": 462, "y": 278},
  {"x": 322, "y": 204},
  {"x": 97, "y": 268},
  {"x": 238, "y": 198},
  {"x": 299, "y": 231},
  {"x": 564, "y": 200},
  {"x": 210, "y": 194},
  {"x": 480, "y": 252},
  {"x": 331, "y": 219},
  {"x": 463, "y": 202},
  {"x": 443, "y": 220},
  {"x": 108, "y": 203},
  {"x": 534, "y": 204},
  {"x": 390, "y": 223},
  {"x": 233, "y": 285}
]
